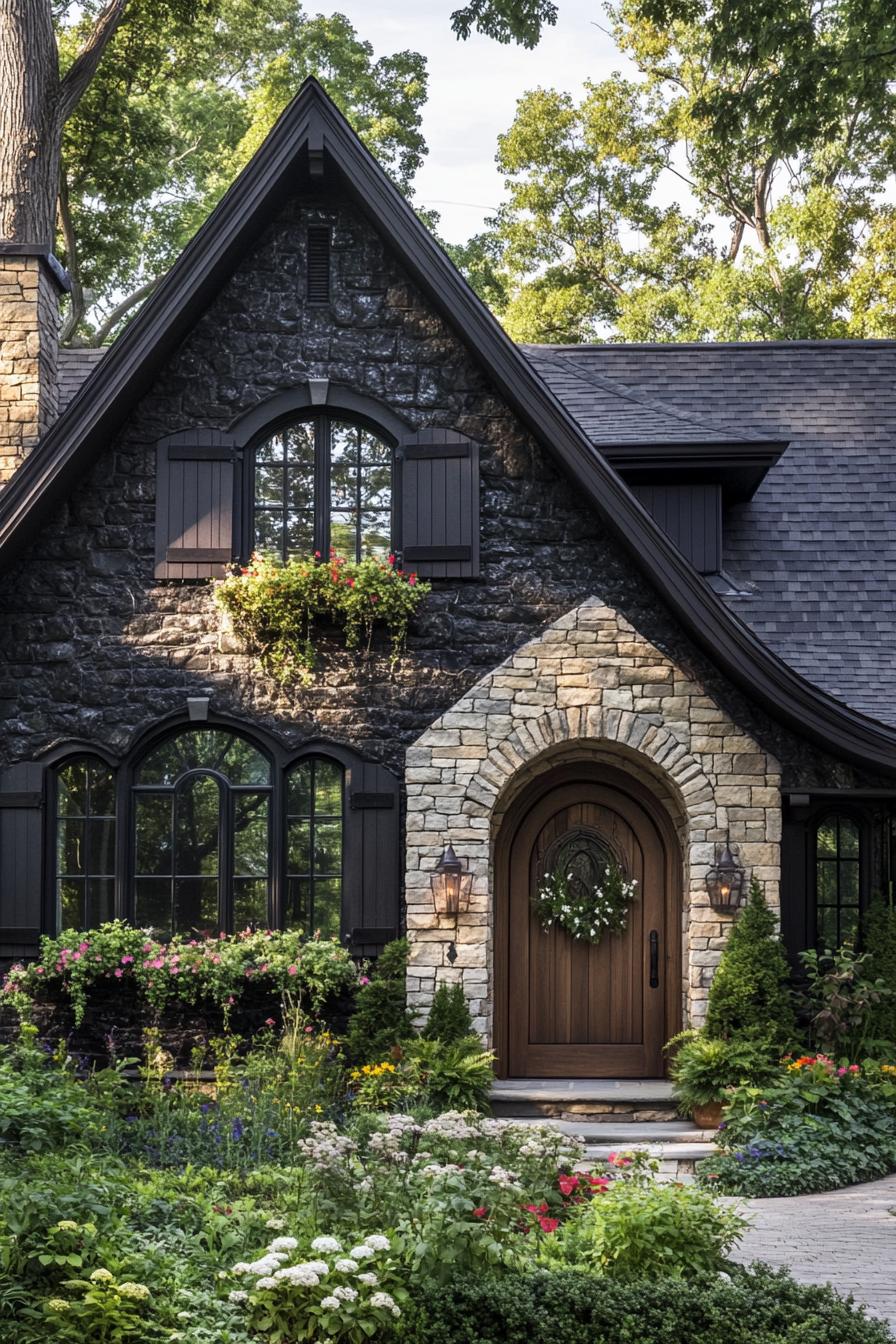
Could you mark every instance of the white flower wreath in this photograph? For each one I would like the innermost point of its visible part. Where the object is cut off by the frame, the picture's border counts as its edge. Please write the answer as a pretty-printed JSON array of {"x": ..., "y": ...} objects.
[{"x": 598, "y": 909}]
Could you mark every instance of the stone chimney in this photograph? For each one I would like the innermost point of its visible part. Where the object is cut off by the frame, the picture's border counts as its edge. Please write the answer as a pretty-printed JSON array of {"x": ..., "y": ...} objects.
[{"x": 31, "y": 281}]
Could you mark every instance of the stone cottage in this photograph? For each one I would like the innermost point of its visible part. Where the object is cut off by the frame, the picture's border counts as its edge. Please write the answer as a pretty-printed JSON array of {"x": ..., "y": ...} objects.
[{"x": 660, "y": 639}]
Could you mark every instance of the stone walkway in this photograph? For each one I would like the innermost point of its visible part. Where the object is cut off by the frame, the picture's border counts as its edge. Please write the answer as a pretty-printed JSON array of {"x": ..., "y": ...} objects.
[{"x": 846, "y": 1238}]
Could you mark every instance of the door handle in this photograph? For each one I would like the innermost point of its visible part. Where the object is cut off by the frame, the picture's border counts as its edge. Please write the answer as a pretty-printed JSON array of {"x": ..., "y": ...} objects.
[{"x": 654, "y": 959}]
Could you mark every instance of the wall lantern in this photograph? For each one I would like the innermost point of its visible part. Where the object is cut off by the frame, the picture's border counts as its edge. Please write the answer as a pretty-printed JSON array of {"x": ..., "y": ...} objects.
[
  {"x": 451, "y": 885},
  {"x": 725, "y": 882}
]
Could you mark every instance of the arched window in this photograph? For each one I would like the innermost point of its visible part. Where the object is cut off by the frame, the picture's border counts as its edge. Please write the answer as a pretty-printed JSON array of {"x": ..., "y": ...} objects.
[
  {"x": 320, "y": 484},
  {"x": 837, "y": 879},
  {"x": 202, "y": 833},
  {"x": 314, "y": 804},
  {"x": 85, "y": 843}
]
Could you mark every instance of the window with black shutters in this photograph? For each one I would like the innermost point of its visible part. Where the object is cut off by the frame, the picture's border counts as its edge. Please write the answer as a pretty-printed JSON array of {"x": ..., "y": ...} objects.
[{"x": 322, "y": 484}]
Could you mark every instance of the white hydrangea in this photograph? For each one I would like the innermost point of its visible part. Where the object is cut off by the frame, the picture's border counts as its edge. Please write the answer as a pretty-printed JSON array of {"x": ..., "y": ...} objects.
[
  {"x": 369, "y": 1280},
  {"x": 318, "y": 1267},
  {"x": 361, "y": 1253},
  {"x": 331, "y": 1303},
  {"x": 299, "y": 1274},
  {"x": 237, "y": 1295},
  {"x": 385, "y": 1303},
  {"x": 275, "y": 1224},
  {"x": 345, "y": 1294},
  {"x": 346, "y": 1266},
  {"x": 266, "y": 1282},
  {"x": 377, "y": 1242},
  {"x": 326, "y": 1245},
  {"x": 241, "y": 1267},
  {"x": 283, "y": 1244}
]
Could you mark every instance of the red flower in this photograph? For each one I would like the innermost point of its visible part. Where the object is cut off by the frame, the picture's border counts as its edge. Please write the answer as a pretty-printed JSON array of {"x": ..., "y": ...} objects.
[
  {"x": 567, "y": 1184},
  {"x": 481, "y": 1212},
  {"x": 598, "y": 1182},
  {"x": 537, "y": 1208},
  {"x": 549, "y": 1224}
]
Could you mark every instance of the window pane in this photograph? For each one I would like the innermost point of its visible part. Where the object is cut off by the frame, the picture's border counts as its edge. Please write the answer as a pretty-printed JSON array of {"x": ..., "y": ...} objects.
[
  {"x": 300, "y": 846},
  {"x": 827, "y": 882},
  {"x": 72, "y": 790},
  {"x": 205, "y": 749},
  {"x": 298, "y": 790},
  {"x": 195, "y": 905},
  {"x": 101, "y": 847},
  {"x": 300, "y": 533},
  {"x": 849, "y": 923},
  {"x": 327, "y": 908},
  {"x": 100, "y": 900},
  {"x": 269, "y": 487},
  {"x": 827, "y": 926},
  {"x": 269, "y": 532},
  {"x": 300, "y": 492},
  {"x": 196, "y": 820},
  {"x": 153, "y": 813},
  {"x": 102, "y": 790},
  {"x": 344, "y": 534},
  {"x": 71, "y": 857},
  {"x": 250, "y": 902},
  {"x": 71, "y": 903},
  {"x": 251, "y": 842},
  {"x": 271, "y": 450},
  {"x": 849, "y": 882},
  {"x": 374, "y": 449},
  {"x": 376, "y": 488},
  {"x": 298, "y": 900},
  {"x": 299, "y": 440},
  {"x": 328, "y": 787},
  {"x": 153, "y": 904},
  {"x": 826, "y": 839},
  {"x": 328, "y": 847},
  {"x": 376, "y": 534}
]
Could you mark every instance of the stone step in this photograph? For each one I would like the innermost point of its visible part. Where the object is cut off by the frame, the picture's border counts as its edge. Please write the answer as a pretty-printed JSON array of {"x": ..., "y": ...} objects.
[
  {"x": 596, "y": 1100},
  {"x": 628, "y": 1134},
  {"x": 677, "y": 1152}
]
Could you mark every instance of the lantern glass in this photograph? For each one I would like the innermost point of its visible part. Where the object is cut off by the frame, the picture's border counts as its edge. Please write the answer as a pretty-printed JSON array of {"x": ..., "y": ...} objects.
[
  {"x": 725, "y": 881},
  {"x": 451, "y": 885}
]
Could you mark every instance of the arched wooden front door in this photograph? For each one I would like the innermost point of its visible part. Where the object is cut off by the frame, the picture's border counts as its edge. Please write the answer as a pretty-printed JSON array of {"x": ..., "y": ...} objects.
[{"x": 569, "y": 1008}]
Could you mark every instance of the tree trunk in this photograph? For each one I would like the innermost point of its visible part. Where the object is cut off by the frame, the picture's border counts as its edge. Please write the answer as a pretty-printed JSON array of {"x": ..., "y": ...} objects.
[{"x": 30, "y": 128}]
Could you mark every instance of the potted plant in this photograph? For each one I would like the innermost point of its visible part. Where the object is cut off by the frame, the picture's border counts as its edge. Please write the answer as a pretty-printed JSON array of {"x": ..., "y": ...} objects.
[{"x": 703, "y": 1067}]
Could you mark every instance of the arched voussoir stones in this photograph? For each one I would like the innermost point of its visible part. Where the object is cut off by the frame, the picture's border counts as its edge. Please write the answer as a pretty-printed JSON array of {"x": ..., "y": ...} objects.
[{"x": 590, "y": 687}]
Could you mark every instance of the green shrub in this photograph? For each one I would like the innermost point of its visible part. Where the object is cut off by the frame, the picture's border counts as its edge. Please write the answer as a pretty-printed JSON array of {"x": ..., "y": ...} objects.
[
  {"x": 755, "y": 1306},
  {"x": 842, "y": 997},
  {"x": 641, "y": 1227},
  {"x": 879, "y": 934},
  {"x": 381, "y": 1019},
  {"x": 452, "y": 1075},
  {"x": 749, "y": 996},
  {"x": 449, "y": 1017},
  {"x": 702, "y": 1068}
]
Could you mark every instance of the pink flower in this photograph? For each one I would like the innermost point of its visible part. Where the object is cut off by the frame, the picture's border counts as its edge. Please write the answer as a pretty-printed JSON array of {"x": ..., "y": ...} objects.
[
  {"x": 38, "y": 970},
  {"x": 119, "y": 973},
  {"x": 270, "y": 1022},
  {"x": 216, "y": 961},
  {"x": 292, "y": 970},
  {"x": 840, "y": 1073},
  {"x": 76, "y": 956},
  {"x": 365, "y": 980},
  {"x": 126, "y": 961},
  {"x": 231, "y": 999},
  {"x": 567, "y": 1184},
  {"x": 82, "y": 947},
  {"x": 481, "y": 1212},
  {"x": 549, "y": 1224},
  {"x": 854, "y": 1068}
]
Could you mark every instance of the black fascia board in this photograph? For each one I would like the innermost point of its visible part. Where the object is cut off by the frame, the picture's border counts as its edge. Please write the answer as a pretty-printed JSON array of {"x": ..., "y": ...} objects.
[
  {"x": 740, "y": 468},
  {"x": 126, "y": 372}
]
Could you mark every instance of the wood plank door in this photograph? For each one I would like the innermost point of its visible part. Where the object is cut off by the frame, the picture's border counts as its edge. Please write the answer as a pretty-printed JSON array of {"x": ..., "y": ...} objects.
[{"x": 575, "y": 1009}]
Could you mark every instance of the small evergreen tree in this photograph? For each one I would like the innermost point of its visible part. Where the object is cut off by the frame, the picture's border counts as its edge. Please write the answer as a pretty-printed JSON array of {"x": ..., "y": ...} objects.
[
  {"x": 879, "y": 937},
  {"x": 449, "y": 1017},
  {"x": 381, "y": 1018},
  {"x": 750, "y": 997}
]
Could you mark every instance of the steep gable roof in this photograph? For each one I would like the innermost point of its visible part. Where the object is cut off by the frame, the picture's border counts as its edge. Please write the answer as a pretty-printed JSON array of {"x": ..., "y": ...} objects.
[{"x": 311, "y": 133}]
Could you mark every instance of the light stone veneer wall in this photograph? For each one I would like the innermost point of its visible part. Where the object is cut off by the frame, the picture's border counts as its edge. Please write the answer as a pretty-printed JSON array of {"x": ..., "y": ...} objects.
[{"x": 590, "y": 687}]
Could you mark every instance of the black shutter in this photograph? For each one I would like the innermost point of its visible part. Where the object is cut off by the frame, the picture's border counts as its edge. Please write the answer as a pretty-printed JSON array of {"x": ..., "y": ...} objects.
[
  {"x": 318, "y": 265},
  {"x": 197, "y": 499},
  {"x": 439, "y": 517},
  {"x": 372, "y": 896},
  {"x": 691, "y": 515},
  {"x": 21, "y": 860}
]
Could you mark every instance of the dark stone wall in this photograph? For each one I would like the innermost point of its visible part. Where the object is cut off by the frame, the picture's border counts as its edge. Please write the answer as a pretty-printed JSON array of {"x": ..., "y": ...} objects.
[{"x": 94, "y": 648}]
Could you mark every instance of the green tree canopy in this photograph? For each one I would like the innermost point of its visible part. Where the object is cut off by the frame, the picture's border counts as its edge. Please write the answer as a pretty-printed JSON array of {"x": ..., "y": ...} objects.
[
  {"x": 178, "y": 105},
  {"x": 737, "y": 188}
]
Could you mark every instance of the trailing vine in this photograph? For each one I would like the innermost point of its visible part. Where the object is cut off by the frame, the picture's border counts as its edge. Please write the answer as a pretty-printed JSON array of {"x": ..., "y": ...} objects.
[
  {"x": 273, "y": 607},
  {"x": 586, "y": 910}
]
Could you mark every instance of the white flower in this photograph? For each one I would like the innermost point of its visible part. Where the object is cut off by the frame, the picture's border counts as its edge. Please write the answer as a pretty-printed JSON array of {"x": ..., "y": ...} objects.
[
  {"x": 237, "y": 1295},
  {"x": 346, "y": 1266},
  {"x": 345, "y": 1294},
  {"x": 241, "y": 1268},
  {"x": 382, "y": 1300},
  {"x": 283, "y": 1244},
  {"x": 317, "y": 1267},
  {"x": 377, "y": 1242},
  {"x": 369, "y": 1279},
  {"x": 326, "y": 1245},
  {"x": 300, "y": 1274},
  {"x": 331, "y": 1303},
  {"x": 266, "y": 1283},
  {"x": 275, "y": 1224},
  {"x": 361, "y": 1253}
]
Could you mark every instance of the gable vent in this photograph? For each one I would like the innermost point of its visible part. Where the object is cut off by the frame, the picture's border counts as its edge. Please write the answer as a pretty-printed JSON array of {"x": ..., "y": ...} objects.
[{"x": 318, "y": 278}]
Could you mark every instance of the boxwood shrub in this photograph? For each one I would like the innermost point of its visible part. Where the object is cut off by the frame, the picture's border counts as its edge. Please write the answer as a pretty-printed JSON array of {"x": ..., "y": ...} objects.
[{"x": 747, "y": 1306}]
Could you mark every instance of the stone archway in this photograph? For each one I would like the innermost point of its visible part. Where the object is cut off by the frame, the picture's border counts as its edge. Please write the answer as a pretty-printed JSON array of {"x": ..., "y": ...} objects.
[{"x": 589, "y": 684}]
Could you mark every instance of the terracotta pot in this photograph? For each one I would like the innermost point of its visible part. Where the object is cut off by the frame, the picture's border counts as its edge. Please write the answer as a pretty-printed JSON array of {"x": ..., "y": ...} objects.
[{"x": 707, "y": 1117}]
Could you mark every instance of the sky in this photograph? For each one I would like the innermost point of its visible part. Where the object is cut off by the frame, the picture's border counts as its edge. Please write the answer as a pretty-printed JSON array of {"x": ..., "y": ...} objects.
[{"x": 473, "y": 90}]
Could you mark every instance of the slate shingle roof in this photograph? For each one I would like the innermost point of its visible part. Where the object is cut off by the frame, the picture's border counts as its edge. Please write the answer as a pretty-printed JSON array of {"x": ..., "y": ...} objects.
[
  {"x": 815, "y": 550},
  {"x": 75, "y": 364}
]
